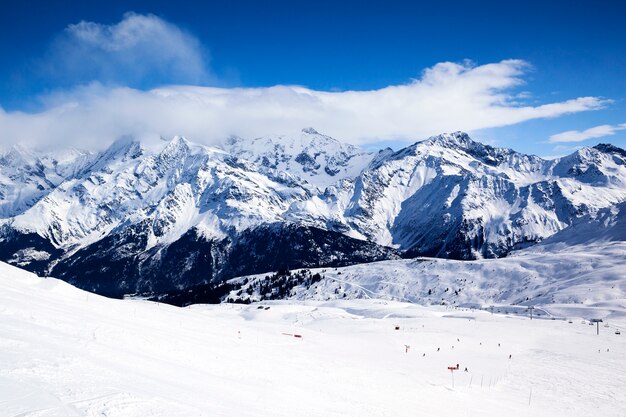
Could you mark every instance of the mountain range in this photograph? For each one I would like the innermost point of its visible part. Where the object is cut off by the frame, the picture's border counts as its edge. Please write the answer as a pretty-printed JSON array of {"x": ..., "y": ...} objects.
[{"x": 140, "y": 217}]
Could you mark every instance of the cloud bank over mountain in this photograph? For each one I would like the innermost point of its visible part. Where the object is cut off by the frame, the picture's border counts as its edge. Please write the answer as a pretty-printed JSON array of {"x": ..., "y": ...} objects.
[
  {"x": 448, "y": 96},
  {"x": 110, "y": 72}
]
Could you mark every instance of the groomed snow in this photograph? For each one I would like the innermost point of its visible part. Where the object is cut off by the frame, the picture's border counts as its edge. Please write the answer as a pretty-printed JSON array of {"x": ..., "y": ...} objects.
[{"x": 65, "y": 352}]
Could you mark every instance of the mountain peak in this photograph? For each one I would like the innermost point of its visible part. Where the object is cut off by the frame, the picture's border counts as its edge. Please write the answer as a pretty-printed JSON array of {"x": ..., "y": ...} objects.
[
  {"x": 608, "y": 148},
  {"x": 175, "y": 150},
  {"x": 16, "y": 155},
  {"x": 454, "y": 139},
  {"x": 178, "y": 141},
  {"x": 310, "y": 131},
  {"x": 124, "y": 147}
]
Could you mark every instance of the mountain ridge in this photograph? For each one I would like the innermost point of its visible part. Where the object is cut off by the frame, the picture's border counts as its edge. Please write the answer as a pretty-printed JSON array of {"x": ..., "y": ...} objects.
[{"x": 447, "y": 196}]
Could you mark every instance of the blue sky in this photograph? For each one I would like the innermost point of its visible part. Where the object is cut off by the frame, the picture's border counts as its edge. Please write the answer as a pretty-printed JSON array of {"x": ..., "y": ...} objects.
[{"x": 564, "y": 51}]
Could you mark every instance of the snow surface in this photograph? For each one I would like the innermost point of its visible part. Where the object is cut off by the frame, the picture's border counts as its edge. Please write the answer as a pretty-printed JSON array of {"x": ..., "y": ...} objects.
[{"x": 65, "y": 352}]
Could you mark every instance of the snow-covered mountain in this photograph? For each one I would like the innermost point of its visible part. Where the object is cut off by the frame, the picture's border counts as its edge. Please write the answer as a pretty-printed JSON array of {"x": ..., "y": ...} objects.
[
  {"x": 170, "y": 191},
  {"x": 26, "y": 177},
  {"x": 140, "y": 217},
  {"x": 449, "y": 196},
  {"x": 316, "y": 158}
]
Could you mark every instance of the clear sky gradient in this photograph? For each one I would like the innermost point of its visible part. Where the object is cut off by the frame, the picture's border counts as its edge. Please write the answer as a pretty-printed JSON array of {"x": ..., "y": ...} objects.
[{"x": 572, "y": 49}]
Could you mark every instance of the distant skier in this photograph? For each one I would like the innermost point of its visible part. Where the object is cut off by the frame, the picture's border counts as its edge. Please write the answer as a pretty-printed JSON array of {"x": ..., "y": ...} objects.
[
  {"x": 509, "y": 356},
  {"x": 438, "y": 349},
  {"x": 466, "y": 369}
]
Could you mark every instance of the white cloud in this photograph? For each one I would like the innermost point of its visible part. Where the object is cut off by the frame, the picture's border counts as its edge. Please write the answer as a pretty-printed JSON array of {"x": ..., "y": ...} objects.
[
  {"x": 447, "y": 97},
  {"x": 591, "y": 133},
  {"x": 140, "y": 50}
]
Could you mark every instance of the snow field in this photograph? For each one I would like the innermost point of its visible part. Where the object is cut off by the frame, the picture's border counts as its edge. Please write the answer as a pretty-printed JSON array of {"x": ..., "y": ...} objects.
[{"x": 65, "y": 352}]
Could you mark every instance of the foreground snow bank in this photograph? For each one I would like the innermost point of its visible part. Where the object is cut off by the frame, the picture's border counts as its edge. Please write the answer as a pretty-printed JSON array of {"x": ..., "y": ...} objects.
[{"x": 65, "y": 352}]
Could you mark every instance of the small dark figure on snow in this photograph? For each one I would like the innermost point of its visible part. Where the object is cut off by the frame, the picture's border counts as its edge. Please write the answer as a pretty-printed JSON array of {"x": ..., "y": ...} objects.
[
  {"x": 466, "y": 369},
  {"x": 509, "y": 356},
  {"x": 438, "y": 349}
]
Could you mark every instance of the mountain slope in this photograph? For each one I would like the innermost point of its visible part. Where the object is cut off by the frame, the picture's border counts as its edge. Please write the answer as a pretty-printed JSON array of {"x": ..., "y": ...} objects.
[{"x": 119, "y": 264}]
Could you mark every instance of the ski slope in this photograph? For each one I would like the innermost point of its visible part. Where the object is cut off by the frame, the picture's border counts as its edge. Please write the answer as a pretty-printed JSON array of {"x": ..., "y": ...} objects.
[{"x": 65, "y": 352}]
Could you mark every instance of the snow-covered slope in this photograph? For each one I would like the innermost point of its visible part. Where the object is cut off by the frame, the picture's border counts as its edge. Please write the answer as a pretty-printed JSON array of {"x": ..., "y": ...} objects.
[
  {"x": 65, "y": 352},
  {"x": 579, "y": 275}
]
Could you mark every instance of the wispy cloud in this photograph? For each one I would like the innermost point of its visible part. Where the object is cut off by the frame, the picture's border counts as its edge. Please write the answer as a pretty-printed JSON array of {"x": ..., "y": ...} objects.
[
  {"x": 140, "y": 51},
  {"x": 591, "y": 133}
]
